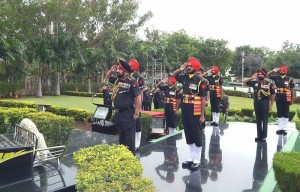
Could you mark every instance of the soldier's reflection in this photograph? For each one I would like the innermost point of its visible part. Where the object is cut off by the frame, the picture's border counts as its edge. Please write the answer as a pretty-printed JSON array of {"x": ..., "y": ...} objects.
[
  {"x": 281, "y": 142},
  {"x": 193, "y": 181},
  {"x": 203, "y": 168},
  {"x": 171, "y": 161},
  {"x": 260, "y": 166},
  {"x": 215, "y": 154}
]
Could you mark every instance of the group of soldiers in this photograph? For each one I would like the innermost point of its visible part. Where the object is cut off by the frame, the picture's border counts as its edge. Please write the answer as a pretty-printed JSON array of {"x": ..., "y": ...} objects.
[{"x": 129, "y": 97}]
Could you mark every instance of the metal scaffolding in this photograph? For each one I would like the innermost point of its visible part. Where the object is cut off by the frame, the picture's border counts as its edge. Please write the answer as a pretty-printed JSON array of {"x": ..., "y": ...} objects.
[{"x": 154, "y": 73}]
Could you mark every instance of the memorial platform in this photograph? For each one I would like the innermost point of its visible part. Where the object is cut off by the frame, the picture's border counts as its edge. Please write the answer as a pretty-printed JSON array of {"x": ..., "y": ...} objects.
[{"x": 231, "y": 160}]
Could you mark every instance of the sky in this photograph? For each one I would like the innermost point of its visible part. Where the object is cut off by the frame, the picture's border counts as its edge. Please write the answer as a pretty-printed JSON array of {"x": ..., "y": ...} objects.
[{"x": 257, "y": 23}]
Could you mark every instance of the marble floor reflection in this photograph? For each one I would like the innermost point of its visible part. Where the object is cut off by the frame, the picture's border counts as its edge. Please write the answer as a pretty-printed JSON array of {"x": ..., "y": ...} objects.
[{"x": 231, "y": 160}]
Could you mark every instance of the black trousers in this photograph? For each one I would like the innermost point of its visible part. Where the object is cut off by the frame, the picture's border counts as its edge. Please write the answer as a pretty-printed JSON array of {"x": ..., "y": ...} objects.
[
  {"x": 283, "y": 106},
  {"x": 170, "y": 115},
  {"x": 214, "y": 102},
  {"x": 191, "y": 125},
  {"x": 261, "y": 108},
  {"x": 148, "y": 105},
  {"x": 126, "y": 126}
]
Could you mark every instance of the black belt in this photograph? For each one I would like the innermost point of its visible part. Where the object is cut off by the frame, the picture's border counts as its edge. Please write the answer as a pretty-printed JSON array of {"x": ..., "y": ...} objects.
[{"x": 125, "y": 109}]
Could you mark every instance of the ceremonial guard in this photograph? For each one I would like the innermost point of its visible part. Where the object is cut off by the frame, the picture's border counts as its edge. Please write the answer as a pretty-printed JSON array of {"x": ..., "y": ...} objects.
[
  {"x": 140, "y": 80},
  {"x": 284, "y": 96},
  {"x": 263, "y": 101},
  {"x": 168, "y": 86},
  {"x": 147, "y": 99},
  {"x": 126, "y": 100},
  {"x": 192, "y": 109},
  {"x": 215, "y": 85}
]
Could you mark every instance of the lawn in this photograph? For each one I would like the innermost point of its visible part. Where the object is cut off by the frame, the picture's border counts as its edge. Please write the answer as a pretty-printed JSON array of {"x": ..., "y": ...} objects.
[{"x": 87, "y": 102}]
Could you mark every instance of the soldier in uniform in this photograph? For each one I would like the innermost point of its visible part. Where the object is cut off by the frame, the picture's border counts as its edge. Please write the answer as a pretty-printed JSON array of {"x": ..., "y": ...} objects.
[
  {"x": 127, "y": 101},
  {"x": 168, "y": 86},
  {"x": 215, "y": 84},
  {"x": 284, "y": 96},
  {"x": 192, "y": 109},
  {"x": 140, "y": 80},
  {"x": 263, "y": 101},
  {"x": 148, "y": 97}
]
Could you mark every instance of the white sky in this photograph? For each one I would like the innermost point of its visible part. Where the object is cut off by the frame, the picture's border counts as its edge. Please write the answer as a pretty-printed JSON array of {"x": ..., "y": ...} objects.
[{"x": 240, "y": 22}]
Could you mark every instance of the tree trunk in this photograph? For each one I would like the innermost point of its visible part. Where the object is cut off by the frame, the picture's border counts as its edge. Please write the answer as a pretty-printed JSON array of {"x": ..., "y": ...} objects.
[
  {"x": 89, "y": 86},
  {"x": 39, "y": 88},
  {"x": 57, "y": 84}
]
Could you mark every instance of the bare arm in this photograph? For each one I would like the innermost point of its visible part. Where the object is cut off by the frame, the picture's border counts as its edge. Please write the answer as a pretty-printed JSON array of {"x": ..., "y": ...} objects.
[
  {"x": 254, "y": 76},
  {"x": 272, "y": 71},
  {"x": 110, "y": 72},
  {"x": 179, "y": 70}
]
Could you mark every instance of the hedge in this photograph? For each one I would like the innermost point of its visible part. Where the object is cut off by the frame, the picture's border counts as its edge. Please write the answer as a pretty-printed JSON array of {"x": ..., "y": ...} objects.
[
  {"x": 109, "y": 168},
  {"x": 287, "y": 171},
  {"x": 55, "y": 128}
]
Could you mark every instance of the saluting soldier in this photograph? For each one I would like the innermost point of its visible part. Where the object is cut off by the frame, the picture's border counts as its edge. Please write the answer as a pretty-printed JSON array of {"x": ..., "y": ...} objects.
[
  {"x": 263, "y": 101},
  {"x": 215, "y": 85},
  {"x": 192, "y": 109},
  {"x": 134, "y": 64},
  {"x": 168, "y": 86},
  {"x": 284, "y": 96},
  {"x": 148, "y": 97},
  {"x": 126, "y": 100}
]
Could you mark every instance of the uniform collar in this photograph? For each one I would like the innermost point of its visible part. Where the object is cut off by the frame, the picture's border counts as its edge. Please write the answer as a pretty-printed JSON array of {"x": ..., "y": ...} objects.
[
  {"x": 191, "y": 75},
  {"x": 282, "y": 76}
]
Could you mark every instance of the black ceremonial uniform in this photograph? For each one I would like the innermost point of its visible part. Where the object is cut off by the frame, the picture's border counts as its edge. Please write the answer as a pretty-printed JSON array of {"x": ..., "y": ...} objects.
[
  {"x": 262, "y": 92},
  {"x": 215, "y": 85},
  {"x": 171, "y": 96},
  {"x": 124, "y": 93},
  {"x": 283, "y": 96},
  {"x": 148, "y": 97},
  {"x": 107, "y": 97},
  {"x": 141, "y": 83},
  {"x": 194, "y": 87}
]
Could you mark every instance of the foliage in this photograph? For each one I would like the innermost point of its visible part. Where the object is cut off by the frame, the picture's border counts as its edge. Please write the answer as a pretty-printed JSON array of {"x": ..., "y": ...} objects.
[
  {"x": 110, "y": 168},
  {"x": 55, "y": 128},
  {"x": 287, "y": 171},
  {"x": 83, "y": 94},
  {"x": 77, "y": 114},
  {"x": 247, "y": 112},
  {"x": 296, "y": 100}
]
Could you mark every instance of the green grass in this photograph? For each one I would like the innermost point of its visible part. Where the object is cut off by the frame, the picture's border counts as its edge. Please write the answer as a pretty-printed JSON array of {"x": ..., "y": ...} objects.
[{"x": 87, "y": 102}]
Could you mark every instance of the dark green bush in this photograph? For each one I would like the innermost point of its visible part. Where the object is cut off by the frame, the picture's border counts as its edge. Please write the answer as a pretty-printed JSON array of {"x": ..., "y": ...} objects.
[
  {"x": 17, "y": 104},
  {"x": 287, "y": 171},
  {"x": 273, "y": 114},
  {"x": 110, "y": 168},
  {"x": 238, "y": 93},
  {"x": 55, "y": 128},
  {"x": 292, "y": 115},
  {"x": 298, "y": 124},
  {"x": 232, "y": 112},
  {"x": 77, "y": 114},
  {"x": 248, "y": 112}
]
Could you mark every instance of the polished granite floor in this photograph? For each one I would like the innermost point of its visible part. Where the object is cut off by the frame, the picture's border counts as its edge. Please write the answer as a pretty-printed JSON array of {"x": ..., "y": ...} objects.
[{"x": 231, "y": 161}]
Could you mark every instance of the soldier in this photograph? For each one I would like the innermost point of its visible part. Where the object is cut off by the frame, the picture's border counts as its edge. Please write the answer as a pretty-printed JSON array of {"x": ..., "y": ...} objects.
[
  {"x": 140, "y": 80},
  {"x": 215, "y": 84},
  {"x": 192, "y": 109},
  {"x": 168, "y": 86},
  {"x": 284, "y": 96},
  {"x": 148, "y": 97},
  {"x": 127, "y": 101},
  {"x": 263, "y": 101}
]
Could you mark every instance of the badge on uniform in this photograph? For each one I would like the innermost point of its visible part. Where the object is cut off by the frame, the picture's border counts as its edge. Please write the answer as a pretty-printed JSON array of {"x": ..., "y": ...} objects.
[
  {"x": 265, "y": 86},
  {"x": 256, "y": 84},
  {"x": 124, "y": 85},
  {"x": 172, "y": 93},
  {"x": 193, "y": 86}
]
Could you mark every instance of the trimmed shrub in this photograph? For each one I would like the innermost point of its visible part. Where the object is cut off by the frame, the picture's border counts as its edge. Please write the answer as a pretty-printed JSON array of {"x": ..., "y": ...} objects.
[
  {"x": 298, "y": 124},
  {"x": 17, "y": 104},
  {"x": 110, "y": 168},
  {"x": 56, "y": 129},
  {"x": 296, "y": 100},
  {"x": 232, "y": 112},
  {"x": 82, "y": 94},
  {"x": 248, "y": 112},
  {"x": 292, "y": 115},
  {"x": 273, "y": 114},
  {"x": 287, "y": 171},
  {"x": 77, "y": 114}
]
